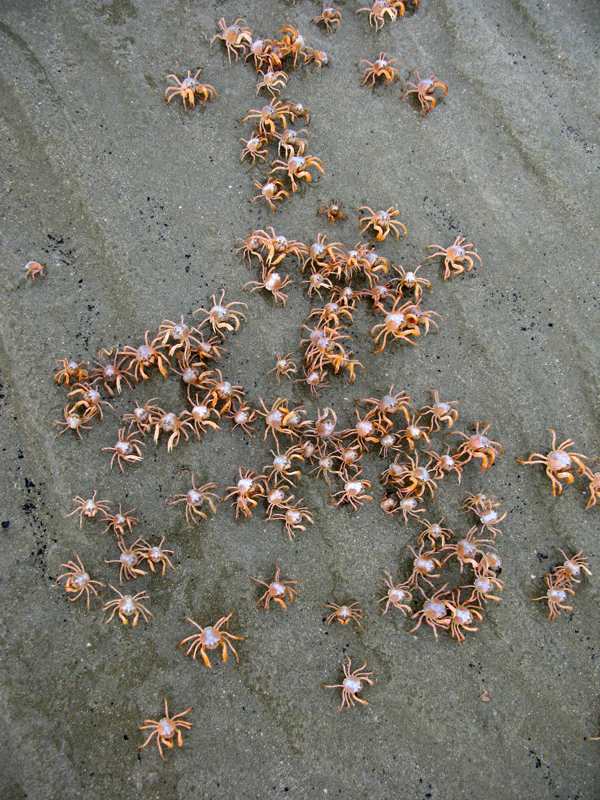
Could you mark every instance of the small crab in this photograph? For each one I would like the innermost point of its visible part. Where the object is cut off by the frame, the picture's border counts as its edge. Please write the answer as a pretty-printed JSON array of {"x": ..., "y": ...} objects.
[
  {"x": 354, "y": 493},
  {"x": 188, "y": 88},
  {"x": 332, "y": 212},
  {"x": 119, "y": 521},
  {"x": 330, "y": 16},
  {"x": 344, "y": 614},
  {"x": 74, "y": 421},
  {"x": 90, "y": 400},
  {"x": 210, "y": 638},
  {"x": 352, "y": 684},
  {"x": 440, "y": 412},
  {"x": 397, "y": 323},
  {"x": 462, "y": 615},
  {"x": 166, "y": 729},
  {"x": 272, "y": 282},
  {"x": 194, "y": 500},
  {"x": 559, "y": 463},
  {"x": 395, "y": 596},
  {"x": 155, "y": 555},
  {"x": 285, "y": 365},
  {"x": 594, "y": 487},
  {"x": 291, "y": 142},
  {"x": 466, "y": 550},
  {"x": 145, "y": 356},
  {"x": 380, "y": 69},
  {"x": 235, "y": 36},
  {"x": 128, "y": 606},
  {"x": 271, "y": 81},
  {"x": 457, "y": 257},
  {"x": 555, "y": 597},
  {"x": 78, "y": 580},
  {"x": 277, "y": 590},
  {"x": 434, "y": 612},
  {"x": 382, "y": 8},
  {"x": 572, "y": 567},
  {"x": 424, "y": 90},
  {"x": 71, "y": 371},
  {"x": 111, "y": 375},
  {"x": 382, "y": 222},
  {"x": 268, "y": 116},
  {"x": 126, "y": 449},
  {"x": 128, "y": 560},
  {"x": 424, "y": 566},
  {"x": 243, "y": 416},
  {"x": 173, "y": 425},
  {"x": 478, "y": 446},
  {"x": 255, "y": 148},
  {"x": 222, "y": 317},
  {"x": 245, "y": 492},
  {"x": 89, "y": 508},
  {"x": 409, "y": 281},
  {"x": 297, "y": 168},
  {"x": 33, "y": 268},
  {"x": 270, "y": 191},
  {"x": 292, "y": 515}
]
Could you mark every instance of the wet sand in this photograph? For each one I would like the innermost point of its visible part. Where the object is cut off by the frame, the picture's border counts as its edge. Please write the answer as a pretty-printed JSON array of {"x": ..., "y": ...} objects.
[{"x": 135, "y": 207}]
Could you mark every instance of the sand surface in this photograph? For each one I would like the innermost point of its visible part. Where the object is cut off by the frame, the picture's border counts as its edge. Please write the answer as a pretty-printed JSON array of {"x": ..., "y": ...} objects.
[{"x": 135, "y": 207}]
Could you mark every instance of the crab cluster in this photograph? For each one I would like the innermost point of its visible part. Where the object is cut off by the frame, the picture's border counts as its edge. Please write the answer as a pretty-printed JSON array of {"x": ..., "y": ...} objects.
[
  {"x": 459, "y": 608},
  {"x": 347, "y": 275},
  {"x": 273, "y": 60},
  {"x": 130, "y": 558},
  {"x": 560, "y": 582}
]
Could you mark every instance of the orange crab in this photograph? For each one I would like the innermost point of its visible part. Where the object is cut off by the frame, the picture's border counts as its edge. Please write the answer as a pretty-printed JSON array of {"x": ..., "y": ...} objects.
[
  {"x": 271, "y": 190},
  {"x": 424, "y": 90},
  {"x": 478, "y": 446},
  {"x": 255, "y": 148},
  {"x": 78, "y": 580},
  {"x": 33, "y": 268},
  {"x": 344, "y": 614},
  {"x": 352, "y": 684},
  {"x": 145, "y": 356},
  {"x": 297, "y": 168},
  {"x": 188, "y": 88},
  {"x": 221, "y": 317},
  {"x": 332, "y": 212},
  {"x": 271, "y": 81},
  {"x": 555, "y": 596},
  {"x": 396, "y": 596},
  {"x": 245, "y": 492},
  {"x": 74, "y": 421},
  {"x": 89, "y": 508},
  {"x": 126, "y": 449},
  {"x": 195, "y": 499},
  {"x": 272, "y": 282},
  {"x": 382, "y": 222},
  {"x": 398, "y": 324},
  {"x": 277, "y": 590},
  {"x": 210, "y": 638},
  {"x": 559, "y": 463},
  {"x": 457, "y": 257},
  {"x": 382, "y": 8},
  {"x": 235, "y": 36},
  {"x": 166, "y": 729},
  {"x": 380, "y": 69},
  {"x": 128, "y": 606},
  {"x": 269, "y": 115},
  {"x": 330, "y": 16}
]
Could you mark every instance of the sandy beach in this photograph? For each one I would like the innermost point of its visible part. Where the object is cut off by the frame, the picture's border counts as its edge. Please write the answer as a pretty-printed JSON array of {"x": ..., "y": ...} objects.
[{"x": 136, "y": 207}]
